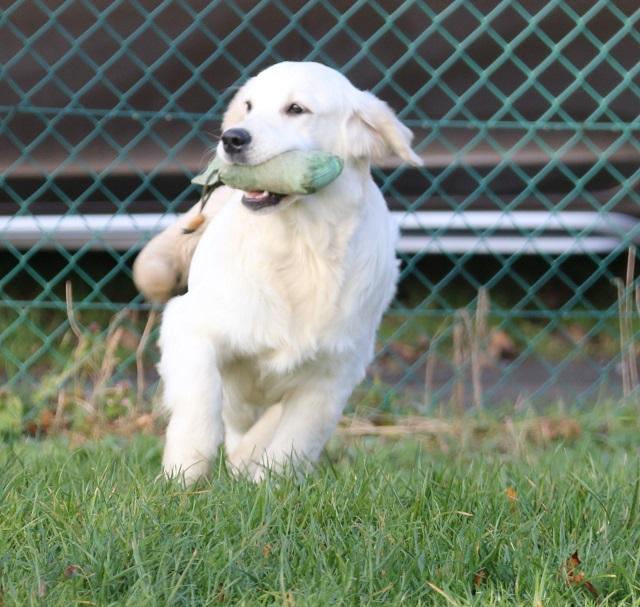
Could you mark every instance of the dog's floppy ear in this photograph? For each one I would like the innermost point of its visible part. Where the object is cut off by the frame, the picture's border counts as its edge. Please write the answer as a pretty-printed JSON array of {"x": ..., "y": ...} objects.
[{"x": 373, "y": 131}]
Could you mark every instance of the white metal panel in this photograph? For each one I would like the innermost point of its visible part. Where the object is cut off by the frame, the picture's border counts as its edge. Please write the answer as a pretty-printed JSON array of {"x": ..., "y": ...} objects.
[{"x": 602, "y": 233}]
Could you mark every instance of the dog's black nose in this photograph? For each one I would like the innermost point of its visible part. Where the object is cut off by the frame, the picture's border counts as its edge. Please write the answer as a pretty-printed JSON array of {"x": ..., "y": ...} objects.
[{"x": 235, "y": 140}]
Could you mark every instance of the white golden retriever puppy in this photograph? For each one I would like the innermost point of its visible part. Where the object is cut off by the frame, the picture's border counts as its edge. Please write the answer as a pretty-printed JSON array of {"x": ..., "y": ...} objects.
[{"x": 284, "y": 293}]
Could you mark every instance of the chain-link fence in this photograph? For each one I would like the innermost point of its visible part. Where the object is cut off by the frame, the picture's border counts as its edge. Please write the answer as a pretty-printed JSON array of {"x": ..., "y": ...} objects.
[{"x": 515, "y": 282}]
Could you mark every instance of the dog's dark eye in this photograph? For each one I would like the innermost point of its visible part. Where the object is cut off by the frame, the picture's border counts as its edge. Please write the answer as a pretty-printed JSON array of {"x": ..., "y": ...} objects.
[
  {"x": 294, "y": 108},
  {"x": 248, "y": 105}
]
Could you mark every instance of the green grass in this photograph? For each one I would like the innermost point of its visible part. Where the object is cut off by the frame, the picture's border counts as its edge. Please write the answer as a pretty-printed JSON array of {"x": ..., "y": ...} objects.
[{"x": 379, "y": 523}]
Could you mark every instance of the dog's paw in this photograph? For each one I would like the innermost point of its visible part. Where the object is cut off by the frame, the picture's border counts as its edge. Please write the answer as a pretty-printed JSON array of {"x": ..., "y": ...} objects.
[
  {"x": 240, "y": 469},
  {"x": 187, "y": 475},
  {"x": 246, "y": 469},
  {"x": 259, "y": 473}
]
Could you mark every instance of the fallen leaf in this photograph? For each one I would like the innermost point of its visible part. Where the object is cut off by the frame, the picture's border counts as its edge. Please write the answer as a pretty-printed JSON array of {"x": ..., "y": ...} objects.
[
  {"x": 266, "y": 550},
  {"x": 571, "y": 563},
  {"x": 575, "y": 577},
  {"x": 512, "y": 497},
  {"x": 479, "y": 577},
  {"x": 220, "y": 596},
  {"x": 71, "y": 570},
  {"x": 591, "y": 588},
  {"x": 46, "y": 419},
  {"x": 42, "y": 424},
  {"x": 501, "y": 346}
]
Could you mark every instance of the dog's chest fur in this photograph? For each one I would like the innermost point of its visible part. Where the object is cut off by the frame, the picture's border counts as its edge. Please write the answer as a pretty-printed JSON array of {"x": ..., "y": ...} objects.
[
  {"x": 308, "y": 268},
  {"x": 305, "y": 266}
]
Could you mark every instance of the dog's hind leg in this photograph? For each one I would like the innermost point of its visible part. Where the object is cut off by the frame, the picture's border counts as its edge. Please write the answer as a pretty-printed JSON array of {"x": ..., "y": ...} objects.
[{"x": 192, "y": 394}]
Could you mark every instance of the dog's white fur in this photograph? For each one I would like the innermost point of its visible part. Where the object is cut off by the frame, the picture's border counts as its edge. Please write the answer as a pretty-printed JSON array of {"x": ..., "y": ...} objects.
[{"x": 279, "y": 321}]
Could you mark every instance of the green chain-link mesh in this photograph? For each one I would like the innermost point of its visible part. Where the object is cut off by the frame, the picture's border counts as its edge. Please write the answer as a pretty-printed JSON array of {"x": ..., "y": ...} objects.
[{"x": 515, "y": 105}]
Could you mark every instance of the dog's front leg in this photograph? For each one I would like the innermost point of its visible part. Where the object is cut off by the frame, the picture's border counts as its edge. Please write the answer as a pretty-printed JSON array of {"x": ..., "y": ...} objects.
[
  {"x": 192, "y": 394},
  {"x": 308, "y": 419}
]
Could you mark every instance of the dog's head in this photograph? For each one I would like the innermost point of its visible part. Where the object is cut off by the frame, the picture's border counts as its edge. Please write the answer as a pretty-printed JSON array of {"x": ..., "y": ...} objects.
[{"x": 309, "y": 106}]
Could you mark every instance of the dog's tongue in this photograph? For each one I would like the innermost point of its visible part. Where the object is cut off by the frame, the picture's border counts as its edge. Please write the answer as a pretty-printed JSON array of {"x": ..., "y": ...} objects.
[{"x": 258, "y": 195}]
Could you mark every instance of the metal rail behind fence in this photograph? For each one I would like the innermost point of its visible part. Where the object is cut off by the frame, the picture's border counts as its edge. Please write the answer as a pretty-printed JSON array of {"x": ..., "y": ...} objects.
[{"x": 525, "y": 113}]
